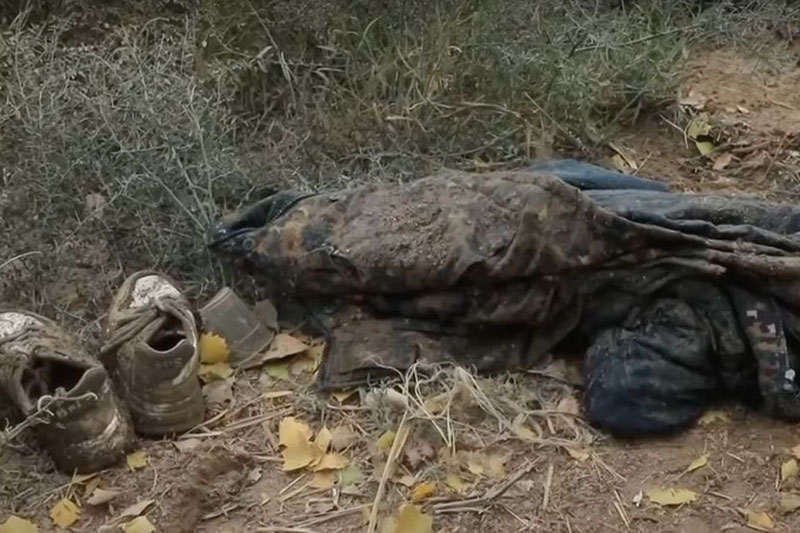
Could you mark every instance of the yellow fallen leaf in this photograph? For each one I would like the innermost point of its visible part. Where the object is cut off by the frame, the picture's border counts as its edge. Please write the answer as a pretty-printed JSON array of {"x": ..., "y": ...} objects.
[
  {"x": 213, "y": 348},
  {"x": 760, "y": 521},
  {"x": 700, "y": 462},
  {"x": 323, "y": 480},
  {"x": 790, "y": 502},
  {"x": 15, "y": 524},
  {"x": 277, "y": 370},
  {"x": 140, "y": 524},
  {"x": 704, "y": 147},
  {"x": 712, "y": 416},
  {"x": 323, "y": 440},
  {"x": 342, "y": 396},
  {"x": 423, "y": 490},
  {"x": 298, "y": 451},
  {"x": 214, "y": 372},
  {"x": 484, "y": 464},
  {"x": 578, "y": 455},
  {"x": 456, "y": 484},
  {"x": 272, "y": 394},
  {"x": 64, "y": 513},
  {"x": 385, "y": 441},
  {"x": 308, "y": 361},
  {"x": 671, "y": 496},
  {"x": 331, "y": 461},
  {"x": 411, "y": 519},
  {"x": 291, "y": 430},
  {"x": 136, "y": 460},
  {"x": 789, "y": 470},
  {"x": 698, "y": 127},
  {"x": 350, "y": 475}
]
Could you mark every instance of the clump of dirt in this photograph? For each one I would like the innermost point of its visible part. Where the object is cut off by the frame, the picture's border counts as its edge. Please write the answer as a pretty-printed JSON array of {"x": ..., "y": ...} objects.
[{"x": 212, "y": 477}]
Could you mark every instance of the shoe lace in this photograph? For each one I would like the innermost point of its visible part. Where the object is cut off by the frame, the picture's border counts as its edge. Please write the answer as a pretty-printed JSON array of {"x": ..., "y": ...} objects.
[{"x": 136, "y": 321}]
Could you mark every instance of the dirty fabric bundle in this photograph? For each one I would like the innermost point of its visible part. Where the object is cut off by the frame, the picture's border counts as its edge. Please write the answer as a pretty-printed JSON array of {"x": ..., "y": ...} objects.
[{"x": 676, "y": 299}]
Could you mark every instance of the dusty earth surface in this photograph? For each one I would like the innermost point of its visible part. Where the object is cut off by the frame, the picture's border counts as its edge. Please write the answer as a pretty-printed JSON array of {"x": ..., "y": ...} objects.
[{"x": 508, "y": 453}]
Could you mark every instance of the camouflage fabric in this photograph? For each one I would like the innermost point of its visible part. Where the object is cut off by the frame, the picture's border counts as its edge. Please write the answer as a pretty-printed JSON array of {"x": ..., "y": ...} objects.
[{"x": 676, "y": 299}]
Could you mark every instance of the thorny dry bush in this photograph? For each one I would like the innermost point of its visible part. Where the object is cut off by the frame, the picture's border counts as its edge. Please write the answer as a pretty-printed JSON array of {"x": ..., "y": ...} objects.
[{"x": 126, "y": 129}]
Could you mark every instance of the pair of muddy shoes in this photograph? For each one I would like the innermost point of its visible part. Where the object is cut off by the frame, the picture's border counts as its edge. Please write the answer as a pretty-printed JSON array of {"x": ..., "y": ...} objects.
[{"x": 150, "y": 354}]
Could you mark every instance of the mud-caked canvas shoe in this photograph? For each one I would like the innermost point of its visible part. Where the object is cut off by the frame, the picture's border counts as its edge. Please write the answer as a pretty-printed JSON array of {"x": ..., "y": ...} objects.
[
  {"x": 151, "y": 350},
  {"x": 47, "y": 375}
]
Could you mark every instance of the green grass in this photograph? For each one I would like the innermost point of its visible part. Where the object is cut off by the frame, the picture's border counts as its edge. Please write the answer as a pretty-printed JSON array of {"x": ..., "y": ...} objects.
[{"x": 169, "y": 115}]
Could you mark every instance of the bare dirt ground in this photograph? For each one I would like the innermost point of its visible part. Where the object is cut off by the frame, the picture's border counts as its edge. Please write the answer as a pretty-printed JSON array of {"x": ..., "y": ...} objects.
[{"x": 227, "y": 475}]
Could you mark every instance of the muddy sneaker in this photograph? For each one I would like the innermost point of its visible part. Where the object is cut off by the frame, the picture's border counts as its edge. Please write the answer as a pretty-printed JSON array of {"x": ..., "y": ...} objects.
[
  {"x": 151, "y": 350},
  {"x": 47, "y": 375}
]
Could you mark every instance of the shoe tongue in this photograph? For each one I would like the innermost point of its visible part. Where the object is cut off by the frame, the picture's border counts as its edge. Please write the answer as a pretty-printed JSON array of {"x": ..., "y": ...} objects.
[
  {"x": 91, "y": 381},
  {"x": 149, "y": 288},
  {"x": 12, "y": 322}
]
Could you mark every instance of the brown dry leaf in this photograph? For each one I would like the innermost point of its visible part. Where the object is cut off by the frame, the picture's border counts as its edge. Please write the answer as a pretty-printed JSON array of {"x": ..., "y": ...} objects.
[
  {"x": 418, "y": 452},
  {"x": 298, "y": 451},
  {"x": 214, "y": 372},
  {"x": 759, "y": 520},
  {"x": 140, "y": 524},
  {"x": 411, "y": 519},
  {"x": 569, "y": 404},
  {"x": 218, "y": 393},
  {"x": 457, "y": 484},
  {"x": 700, "y": 462},
  {"x": 323, "y": 439},
  {"x": 385, "y": 441},
  {"x": 578, "y": 455},
  {"x": 15, "y": 524},
  {"x": 101, "y": 496},
  {"x": 796, "y": 451},
  {"x": 136, "y": 509},
  {"x": 483, "y": 464},
  {"x": 722, "y": 161},
  {"x": 670, "y": 496},
  {"x": 619, "y": 163},
  {"x": 342, "y": 437},
  {"x": 64, "y": 513},
  {"x": 790, "y": 502},
  {"x": 712, "y": 416},
  {"x": 331, "y": 461},
  {"x": 136, "y": 460},
  {"x": 423, "y": 490},
  {"x": 90, "y": 486},
  {"x": 789, "y": 470},
  {"x": 323, "y": 480},
  {"x": 283, "y": 345},
  {"x": 213, "y": 348}
]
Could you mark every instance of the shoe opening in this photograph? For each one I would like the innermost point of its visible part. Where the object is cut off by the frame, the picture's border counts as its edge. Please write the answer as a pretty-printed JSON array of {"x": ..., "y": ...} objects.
[
  {"x": 168, "y": 336},
  {"x": 46, "y": 377}
]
